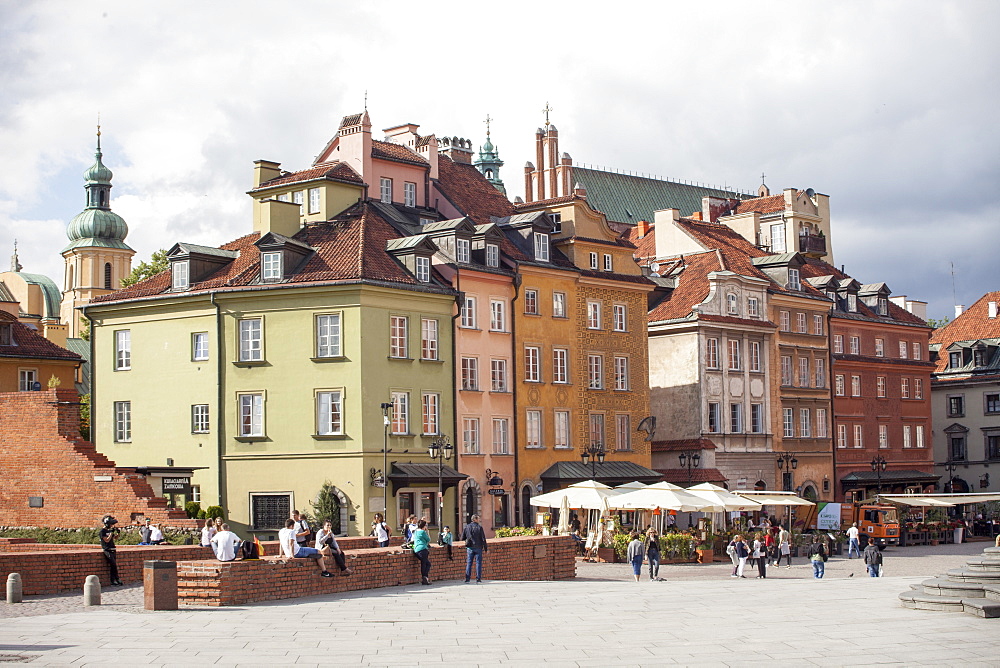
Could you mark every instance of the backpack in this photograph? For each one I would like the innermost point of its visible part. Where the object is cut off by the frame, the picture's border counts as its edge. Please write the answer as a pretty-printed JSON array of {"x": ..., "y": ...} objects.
[{"x": 248, "y": 550}]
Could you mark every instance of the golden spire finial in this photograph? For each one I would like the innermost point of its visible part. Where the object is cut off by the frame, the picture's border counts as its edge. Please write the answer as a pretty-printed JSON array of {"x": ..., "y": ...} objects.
[
  {"x": 547, "y": 109},
  {"x": 488, "y": 119}
]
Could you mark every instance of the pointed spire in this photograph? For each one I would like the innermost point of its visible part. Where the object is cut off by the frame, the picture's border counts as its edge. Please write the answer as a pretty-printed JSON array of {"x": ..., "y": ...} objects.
[{"x": 15, "y": 266}]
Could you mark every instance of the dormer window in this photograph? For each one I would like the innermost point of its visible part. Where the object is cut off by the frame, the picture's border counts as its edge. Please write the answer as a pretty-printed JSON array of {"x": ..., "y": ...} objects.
[
  {"x": 883, "y": 306},
  {"x": 423, "y": 268},
  {"x": 794, "y": 282},
  {"x": 270, "y": 266},
  {"x": 492, "y": 255},
  {"x": 463, "y": 250},
  {"x": 541, "y": 247},
  {"x": 6, "y": 338},
  {"x": 732, "y": 304},
  {"x": 955, "y": 360},
  {"x": 556, "y": 219},
  {"x": 979, "y": 357},
  {"x": 179, "y": 275},
  {"x": 852, "y": 303}
]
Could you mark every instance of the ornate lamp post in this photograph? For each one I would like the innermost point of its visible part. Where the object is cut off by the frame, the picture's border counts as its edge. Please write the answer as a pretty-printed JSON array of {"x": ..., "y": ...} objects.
[
  {"x": 878, "y": 466},
  {"x": 689, "y": 460},
  {"x": 787, "y": 463},
  {"x": 593, "y": 455},
  {"x": 440, "y": 449},
  {"x": 950, "y": 466},
  {"x": 386, "y": 407}
]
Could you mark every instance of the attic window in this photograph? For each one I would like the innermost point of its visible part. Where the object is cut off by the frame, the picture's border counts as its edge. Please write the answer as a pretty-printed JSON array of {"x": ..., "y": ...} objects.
[
  {"x": 423, "y": 268},
  {"x": 852, "y": 303},
  {"x": 6, "y": 339},
  {"x": 556, "y": 219},
  {"x": 270, "y": 266},
  {"x": 541, "y": 247},
  {"x": 492, "y": 255},
  {"x": 883, "y": 306},
  {"x": 179, "y": 275},
  {"x": 955, "y": 360},
  {"x": 794, "y": 282},
  {"x": 462, "y": 250}
]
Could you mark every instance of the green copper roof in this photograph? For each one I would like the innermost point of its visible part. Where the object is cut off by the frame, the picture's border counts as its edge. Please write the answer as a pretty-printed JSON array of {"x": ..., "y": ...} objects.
[
  {"x": 626, "y": 198},
  {"x": 97, "y": 227},
  {"x": 49, "y": 289}
]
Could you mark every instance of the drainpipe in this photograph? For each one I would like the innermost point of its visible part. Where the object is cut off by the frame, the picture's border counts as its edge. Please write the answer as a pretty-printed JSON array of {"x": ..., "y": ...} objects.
[
  {"x": 93, "y": 385},
  {"x": 219, "y": 369},
  {"x": 829, "y": 380},
  {"x": 459, "y": 300},
  {"x": 513, "y": 384}
]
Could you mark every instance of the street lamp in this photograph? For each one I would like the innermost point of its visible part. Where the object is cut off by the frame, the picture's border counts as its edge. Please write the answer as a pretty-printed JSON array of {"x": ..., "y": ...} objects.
[
  {"x": 690, "y": 460},
  {"x": 440, "y": 449},
  {"x": 878, "y": 466},
  {"x": 386, "y": 407},
  {"x": 593, "y": 455},
  {"x": 789, "y": 462},
  {"x": 950, "y": 466}
]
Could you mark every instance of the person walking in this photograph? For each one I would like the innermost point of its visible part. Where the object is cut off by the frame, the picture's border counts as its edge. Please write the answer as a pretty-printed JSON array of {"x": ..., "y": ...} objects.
[
  {"x": 760, "y": 554},
  {"x": 873, "y": 559},
  {"x": 653, "y": 554},
  {"x": 817, "y": 555},
  {"x": 422, "y": 548},
  {"x": 381, "y": 531},
  {"x": 635, "y": 553},
  {"x": 107, "y": 535},
  {"x": 853, "y": 542},
  {"x": 742, "y": 553},
  {"x": 475, "y": 548},
  {"x": 784, "y": 548},
  {"x": 731, "y": 551}
]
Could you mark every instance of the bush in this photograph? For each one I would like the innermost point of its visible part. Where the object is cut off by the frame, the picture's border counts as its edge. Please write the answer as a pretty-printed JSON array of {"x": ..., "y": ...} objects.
[
  {"x": 192, "y": 508},
  {"x": 213, "y": 511},
  {"x": 202, "y": 514},
  {"x": 506, "y": 532},
  {"x": 128, "y": 535},
  {"x": 621, "y": 541}
]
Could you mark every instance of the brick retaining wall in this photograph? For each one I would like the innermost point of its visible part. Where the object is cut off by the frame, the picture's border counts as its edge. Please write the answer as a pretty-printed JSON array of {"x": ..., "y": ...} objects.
[{"x": 234, "y": 583}]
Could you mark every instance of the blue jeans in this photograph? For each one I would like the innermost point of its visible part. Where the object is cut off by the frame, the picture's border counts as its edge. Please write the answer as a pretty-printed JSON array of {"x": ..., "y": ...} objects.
[
  {"x": 853, "y": 548},
  {"x": 873, "y": 570},
  {"x": 474, "y": 554},
  {"x": 654, "y": 565},
  {"x": 819, "y": 568}
]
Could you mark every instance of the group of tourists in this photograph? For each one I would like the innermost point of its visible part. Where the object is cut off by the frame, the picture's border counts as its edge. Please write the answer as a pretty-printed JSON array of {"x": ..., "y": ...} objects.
[{"x": 418, "y": 539}]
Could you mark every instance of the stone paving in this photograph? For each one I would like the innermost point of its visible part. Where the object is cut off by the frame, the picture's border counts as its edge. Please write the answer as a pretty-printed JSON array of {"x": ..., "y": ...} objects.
[{"x": 698, "y": 616}]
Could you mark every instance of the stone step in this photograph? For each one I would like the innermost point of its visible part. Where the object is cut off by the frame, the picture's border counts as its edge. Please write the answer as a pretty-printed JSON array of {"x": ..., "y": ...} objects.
[
  {"x": 992, "y": 592},
  {"x": 966, "y": 575},
  {"x": 984, "y": 565},
  {"x": 917, "y": 601},
  {"x": 982, "y": 607},
  {"x": 949, "y": 589}
]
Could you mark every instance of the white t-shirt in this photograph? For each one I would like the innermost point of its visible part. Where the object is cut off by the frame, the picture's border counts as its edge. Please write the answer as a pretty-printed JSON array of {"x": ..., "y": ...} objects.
[
  {"x": 206, "y": 535},
  {"x": 286, "y": 536},
  {"x": 853, "y": 533},
  {"x": 155, "y": 534},
  {"x": 381, "y": 535},
  {"x": 226, "y": 543}
]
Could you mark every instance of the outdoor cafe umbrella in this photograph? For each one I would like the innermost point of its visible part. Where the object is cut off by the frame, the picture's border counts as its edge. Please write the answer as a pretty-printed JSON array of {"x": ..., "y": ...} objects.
[
  {"x": 722, "y": 500},
  {"x": 660, "y": 495},
  {"x": 588, "y": 494},
  {"x": 564, "y": 516}
]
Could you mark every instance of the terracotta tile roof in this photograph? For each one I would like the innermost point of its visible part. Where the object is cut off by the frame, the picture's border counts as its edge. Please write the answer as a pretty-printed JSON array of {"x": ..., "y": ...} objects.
[
  {"x": 769, "y": 204},
  {"x": 683, "y": 476},
  {"x": 974, "y": 324},
  {"x": 333, "y": 171},
  {"x": 692, "y": 287},
  {"x": 565, "y": 199},
  {"x": 682, "y": 444},
  {"x": 389, "y": 151},
  {"x": 613, "y": 276},
  {"x": 29, "y": 344},
  {"x": 644, "y": 247},
  {"x": 470, "y": 192}
]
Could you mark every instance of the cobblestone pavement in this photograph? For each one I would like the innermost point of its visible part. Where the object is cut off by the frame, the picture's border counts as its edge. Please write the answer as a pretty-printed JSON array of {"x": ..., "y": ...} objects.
[{"x": 698, "y": 616}]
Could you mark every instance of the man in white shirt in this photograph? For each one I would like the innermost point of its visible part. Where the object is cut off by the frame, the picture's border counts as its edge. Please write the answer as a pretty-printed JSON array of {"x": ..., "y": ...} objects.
[
  {"x": 854, "y": 545},
  {"x": 225, "y": 543},
  {"x": 291, "y": 549},
  {"x": 156, "y": 535}
]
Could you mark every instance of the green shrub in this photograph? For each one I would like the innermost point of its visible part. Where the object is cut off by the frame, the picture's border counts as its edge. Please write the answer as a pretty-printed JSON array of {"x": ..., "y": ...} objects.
[
  {"x": 128, "y": 535},
  {"x": 506, "y": 532},
  {"x": 202, "y": 514},
  {"x": 620, "y": 542},
  {"x": 327, "y": 507},
  {"x": 213, "y": 511},
  {"x": 192, "y": 508}
]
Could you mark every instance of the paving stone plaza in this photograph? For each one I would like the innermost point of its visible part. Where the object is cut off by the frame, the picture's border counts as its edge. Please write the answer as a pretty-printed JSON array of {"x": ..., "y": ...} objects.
[{"x": 697, "y": 616}]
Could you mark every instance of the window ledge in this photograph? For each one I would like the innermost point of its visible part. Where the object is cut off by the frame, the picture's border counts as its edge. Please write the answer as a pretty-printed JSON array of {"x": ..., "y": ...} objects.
[
  {"x": 534, "y": 315},
  {"x": 432, "y": 361},
  {"x": 533, "y": 382},
  {"x": 500, "y": 392},
  {"x": 398, "y": 435},
  {"x": 399, "y": 359},
  {"x": 123, "y": 368},
  {"x": 534, "y": 447},
  {"x": 201, "y": 432},
  {"x": 329, "y": 437},
  {"x": 199, "y": 359},
  {"x": 332, "y": 358},
  {"x": 472, "y": 454},
  {"x": 501, "y": 454},
  {"x": 620, "y": 389},
  {"x": 250, "y": 439},
  {"x": 247, "y": 364},
  {"x": 469, "y": 389}
]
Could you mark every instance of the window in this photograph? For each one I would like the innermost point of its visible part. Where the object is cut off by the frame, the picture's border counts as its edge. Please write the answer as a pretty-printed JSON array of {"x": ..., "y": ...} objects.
[
  {"x": 905, "y": 388},
  {"x": 498, "y": 316},
  {"x": 883, "y": 306},
  {"x": 954, "y": 360},
  {"x": 855, "y": 386},
  {"x": 820, "y": 423},
  {"x": 794, "y": 281},
  {"x": 430, "y": 412},
  {"x": 621, "y": 373},
  {"x": 179, "y": 279},
  {"x": 558, "y": 304},
  {"x": 956, "y": 448},
  {"x": 595, "y": 372},
  {"x": 463, "y": 250},
  {"x": 251, "y": 340},
  {"x": 199, "y": 346},
  {"x": 755, "y": 355},
  {"x": 805, "y": 423},
  {"x": 470, "y": 436},
  {"x": 786, "y": 370},
  {"x": 470, "y": 373},
  {"x": 920, "y": 436},
  {"x": 269, "y": 511},
  {"x": 858, "y": 441},
  {"x": 992, "y": 447},
  {"x": 123, "y": 350},
  {"x": 26, "y": 379},
  {"x": 734, "y": 355},
  {"x": 492, "y": 255},
  {"x": 753, "y": 307},
  {"x": 820, "y": 366},
  {"x": 498, "y": 375},
  {"x": 329, "y": 413},
  {"x": 852, "y": 303},
  {"x": 385, "y": 190},
  {"x": 533, "y": 429},
  {"x": 593, "y": 260},
  {"x": 251, "y": 415},
  {"x": 469, "y": 313},
  {"x": 619, "y": 317},
  {"x": 532, "y": 370},
  {"x": 531, "y": 302},
  {"x": 398, "y": 326},
  {"x": 608, "y": 262},
  {"x": 778, "y": 238},
  {"x": 880, "y": 387},
  {"x": 732, "y": 304},
  {"x": 314, "y": 200},
  {"x": 879, "y": 347},
  {"x": 907, "y": 436},
  {"x": 593, "y": 315},
  {"x": 297, "y": 198},
  {"x": 785, "y": 321},
  {"x": 757, "y": 418},
  {"x": 597, "y": 429},
  {"x": 400, "y": 419},
  {"x": 917, "y": 352},
  {"x": 803, "y": 372},
  {"x": 855, "y": 345},
  {"x": 561, "y": 423},
  {"x": 800, "y": 323},
  {"x": 328, "y": 335},
  {"x": 6, "y": 337},
  {"x": 422, "y": 268},
  {"x": 992, "y": 403},
  {"x": 556, "y": 219},
  {"x": 838, "y": 344},
  {"x": 623, "y": 431},
  {"x": 123, "y": 422},
  {"x": 736, "y": 418},
  {"x": 902, "y": 350},
  {"x": 199, "y": 419},
  {"x": 428, "y": 339},
  {"x": 841, "y": 435},
  {"x": 838, "y": 383},
  {"x": 713, "y": 418},
  {"x": 918, "y": 388},
  {"x": 410, "y": 196},
  {"x": 196, "y": 493},
  {"x": 270, "y": 266},
  {"x": 956, "y": 405},
  {"x": 883, "y": 436},
  {"x": 712, "y": 353},
  {"x": 560, "y": 364},
  {"x": 541, "y": 247},
  {"x": 818, "y": 325},
  {"x": 788, "y": 422},
  {"x": 501, "y": 436}
]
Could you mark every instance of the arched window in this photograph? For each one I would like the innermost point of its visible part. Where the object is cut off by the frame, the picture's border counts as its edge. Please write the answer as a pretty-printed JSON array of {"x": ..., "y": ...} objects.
[
  {"x": 107, "y": 276},
  {"x": 526, "y": 519},
  {"x": 470, "y": 504},
  {"x": 809, "y": 494},
  {"x": 103, "y": 198}
]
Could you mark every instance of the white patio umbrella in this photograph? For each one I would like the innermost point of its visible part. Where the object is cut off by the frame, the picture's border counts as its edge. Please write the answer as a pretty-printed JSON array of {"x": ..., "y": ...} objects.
[
  {"x": 588, "y": 494},
  {"x": 631, "y": 486},
  {"x": 564, "y": 516},
  {"x": 662, "y": 495},
  {"x": 722, "y": 500}
]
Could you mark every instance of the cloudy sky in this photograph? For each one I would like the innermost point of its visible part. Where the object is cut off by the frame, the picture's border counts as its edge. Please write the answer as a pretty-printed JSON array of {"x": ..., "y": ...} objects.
[{"x": 888, "y": 107}]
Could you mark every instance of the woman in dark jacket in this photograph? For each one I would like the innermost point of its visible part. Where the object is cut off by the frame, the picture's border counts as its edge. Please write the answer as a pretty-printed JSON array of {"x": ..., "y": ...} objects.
[{"x": 653, "y": 554}]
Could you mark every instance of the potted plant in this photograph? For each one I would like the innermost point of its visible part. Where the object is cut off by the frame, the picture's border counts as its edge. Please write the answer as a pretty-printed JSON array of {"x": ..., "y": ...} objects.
[{"x": 704, "y": 549}]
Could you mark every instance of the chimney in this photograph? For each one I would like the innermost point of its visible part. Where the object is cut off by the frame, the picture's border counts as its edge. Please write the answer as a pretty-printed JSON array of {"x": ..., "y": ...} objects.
[
  {"x": 642, "y": 228},
  {"x": 528, "y": 170},
  {"x": 265, "y": 170},
  {"x": 540, "y": 161},
  {"x": 552, "y": 144},
  {"x": 272, "y": 215},
  {"x": 580, "y": 191},
  {"x": 993, "y": 310},
  {"x": 663, "y": 223},
  {"x": 55, "y": 332},
  {"x": 959, "y": 308},
  {"x": 458, "y": 149}
]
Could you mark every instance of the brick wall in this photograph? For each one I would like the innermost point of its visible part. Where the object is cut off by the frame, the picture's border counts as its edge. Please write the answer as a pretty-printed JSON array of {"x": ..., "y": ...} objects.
[
  {"x": 43, "y": 455},
  {"x": 239, "y": 582}
]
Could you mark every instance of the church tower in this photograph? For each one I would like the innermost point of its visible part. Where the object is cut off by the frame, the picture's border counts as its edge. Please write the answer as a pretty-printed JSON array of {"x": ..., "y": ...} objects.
[
  {"x": 96, "y": 258},
  {"x": 489, "y": 162}
]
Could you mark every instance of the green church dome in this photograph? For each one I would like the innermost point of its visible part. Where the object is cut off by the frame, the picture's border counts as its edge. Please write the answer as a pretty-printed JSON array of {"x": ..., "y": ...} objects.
[{"x": 97, "y": 225}]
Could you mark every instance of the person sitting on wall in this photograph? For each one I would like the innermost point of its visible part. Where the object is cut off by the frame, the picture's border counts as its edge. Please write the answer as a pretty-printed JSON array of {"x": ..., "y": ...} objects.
[
  {"x": 225, "y": 544},
  {"x": 325, "y": 538},
  {"x": 156, "y": 535},
  {"x": 291, "y": 549},
  {"x": 145, "y": 532}
]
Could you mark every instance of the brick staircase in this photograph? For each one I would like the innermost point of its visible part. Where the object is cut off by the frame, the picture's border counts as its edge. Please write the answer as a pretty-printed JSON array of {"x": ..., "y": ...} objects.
[{"x": 974, "y": 589}]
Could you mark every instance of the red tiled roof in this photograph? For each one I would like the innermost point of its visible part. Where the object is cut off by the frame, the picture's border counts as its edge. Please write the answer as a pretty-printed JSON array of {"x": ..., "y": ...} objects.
[
  {"x": 973, "y": 324},
  {"x": 683, "y": 476},
  {"x": 389, "y": 151},
  {"x": 769, "y": 204},
  {"x": 29, "y": 344},
  {"x": 334, "y": 171},
  {"x": 470, "y": 192},
  {"x": 682, "y": 444},
  {"x": 565, "y": 199},
  {"x": 692, "y": 287}
]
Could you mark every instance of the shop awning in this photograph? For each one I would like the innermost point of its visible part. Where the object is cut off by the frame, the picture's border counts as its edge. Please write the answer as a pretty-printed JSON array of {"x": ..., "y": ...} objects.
[
  {"x": 610, "y": 473},
  {"x": 776, "y": 498},
  {"x": 939, "y": 500},
  {"x": 423, "y": 475}
]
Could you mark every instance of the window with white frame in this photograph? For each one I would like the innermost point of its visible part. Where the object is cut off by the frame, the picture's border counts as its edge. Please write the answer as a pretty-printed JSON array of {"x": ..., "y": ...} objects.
[
  {"x": 920, "y": 436},
  {"x": 785, "y": 321},
  {"x": 855, "y": 345},
  {"x": 501, "y": 436},
  {"x": 463, "y": 250},
  {"x": 422, "y": 268},
  {"x": 560, "y": 420},
  {"x": 858, "y": 437},
  {"x": 251, "y": 415},
  {"x": 532, "y": 370},
  {"x": 470, "y": 435},
  {"x": 732, "y": 304},
  {"x": 788, "y": 422},
  {"x": 531, "y": 302},
  {"x": 803, "y": 372},
  {"x": 907, "y": 436},
  {"x": 755, "y": 355},
  {"x": 470, "y": 373},
  {"x": 297, "y": 197},
  {"x": 818, "y": 325},
  {"x": 905, "y": 388},
  {"x": 757, "y": 418},
  {"x": 619, "y": 313},
  {"x": 621, "y": 373},
  {"x": 328, "y": 335},
  {"x": 399, "y": 423},
  {"x": 498, "y": 375},
  {"x": 123, "y": 350},
  {"x": 879, "y": 347},
  {"x": 314, "y": 200},
  {"x": 385, "y": 190},
  {"x": 800, "y": 323},
  {"x": 597, "y": 429},
  {"x": 199, "y": 346},
  {"x": 820, "y": 366},
  {"x": 805, "y": 423},
  {"x": 883, "y": 436},
  {"x": 430, "y": 413},
  {"x": 595, "y": 372},
  {"x": 410, "y": 195},
  {"x": 712, "y": 353},
  {"x": 469, "y": 312},
  {"x": 498, "y": 315},
  {"x": 736, "y": 418},
  {"x": 838, "y": 344},
  {"x": 398, "y": 336},
  {"x": 541, "y": 247},
  {"x": 560, "y": 365},
  {"x": 880, "y": 387},
  {"x": 492, "y": 255},
  {"x": 713, "y": 417},
  {"x": 841, "y": 435},
  {"x": 794, "y": 280},
  {"x": 917, "y": 352},
  {"x": 778, "y": 238},
  {"x": 123, "y": 422},
  {"x": 838, "y": 385},
  {"x": 270, "y": 266},
  {"x": 852, "y": 303},
  {"x": 283, "y": 197},
  {"x": 593, "y": 315},
  {"x": 196, "y": 493},
  {"x": 556, "y": 218},
  {"x": 855, "y": 386},
  {"x": 623, "y": 431},
  {"x": 786, "y": 370},
  {"x": 821, "y": 423},
  {"x": 251, "y": 340},
  {"x": 26, "y": 379},
  {"x": 593, "y": 260},
  {"x": 608, "y": 262},
  {"x": 735, "y": 363},
  {"x": 179, "y": 277},
  {"x": 918, "y": 388},
  {"x": 428, "y": 339},
  {"x": 533, "y": 429},
  {"x": 199, "y": 419},
  {"x": 753, "y": 307},
  {"x": 329, "y": 413},
  {"x": 558, "y": 304},
  {"x": 902, "y": 350}
]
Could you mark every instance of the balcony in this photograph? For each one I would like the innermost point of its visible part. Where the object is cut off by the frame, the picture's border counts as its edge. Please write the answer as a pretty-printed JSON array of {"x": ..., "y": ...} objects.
[{"x": 812, "y": 244}]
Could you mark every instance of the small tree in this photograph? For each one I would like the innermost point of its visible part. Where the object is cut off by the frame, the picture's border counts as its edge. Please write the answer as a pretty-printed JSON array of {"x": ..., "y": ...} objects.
[
  {"x": 938, "y": 324},
  {"x": 157, "y": 262},
  {"x": 326, "y": 507},
  {"x": 85, "y": 416}
]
